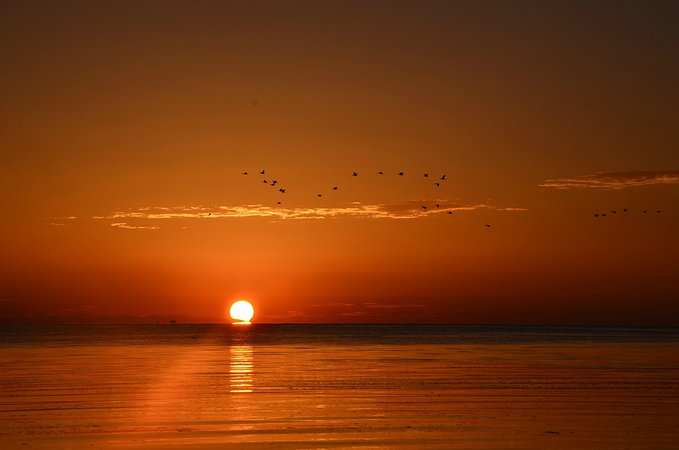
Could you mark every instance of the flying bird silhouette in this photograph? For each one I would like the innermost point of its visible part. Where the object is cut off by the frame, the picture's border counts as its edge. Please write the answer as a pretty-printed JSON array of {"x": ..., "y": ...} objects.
[
  {"x": 274, "y": 182},
  {"x": 400, "y": 174},
  {"x": 438, "y": 206},
  {"x": 437, "y": 184},
  {"x": 355, "y": 174},
  {"x": 624, "y": 209},
  {"x": 334, "y": 188},
  {"x": 320, "y": 195},
  {"x": 424, "y": 207},
  {"x": 380, "y": 173},
  {"x": 596, "y": 215},
  {"x": 281, "y": 190},
  {"x": 443, "y": 177},
  {"x": 245, "y": 173},
  {"x": 426, "y": 175},
  {"x": 487, "y": 226},
  {"x": 262, "y": 172}
]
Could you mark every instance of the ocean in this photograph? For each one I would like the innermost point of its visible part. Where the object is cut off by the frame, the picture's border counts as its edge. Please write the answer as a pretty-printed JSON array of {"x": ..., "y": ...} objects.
[{"x": 338, "y": 386}]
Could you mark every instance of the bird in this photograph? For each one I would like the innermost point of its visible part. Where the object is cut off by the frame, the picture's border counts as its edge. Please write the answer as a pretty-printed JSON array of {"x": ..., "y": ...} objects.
[
  {"x": 400, "y": 174},
  {"x": 281, "y": 190},
  {"x": 424, "y": 207},
  {"x": 438, "y": 206},
  {"x": 334, "y": 188},
  {"x": 644, "y": 211},
  {"x": 264, "y": 181},
  {"x": 658, "y": 211},
  {"x": 262, "y": 172},
  {"x": 487, "y": 225},
  {"x": 596, "y": 215},
  {"x": 320, "y": 195},
  {"x": 274, "y": 182},
  {"x": 245, "y": 173},
  {"x": 380, "y": 173},
  {"x": 437, "y": 184},
  {"x": 426, "y": 175},
  {"x": 614, "y": 211},
  {"x": 355, "y": 174},
  {"x": 624, "y": 209},
  {"x": 450, "y": 212},
  {"x": 443, "y": 177},
  {"x": 278, "y": 203},
  {"x": 603, "y": 215}
]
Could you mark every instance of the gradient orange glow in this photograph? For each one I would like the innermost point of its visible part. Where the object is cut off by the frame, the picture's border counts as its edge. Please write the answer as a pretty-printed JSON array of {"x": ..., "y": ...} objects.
[{"x": 125, "y": 128}]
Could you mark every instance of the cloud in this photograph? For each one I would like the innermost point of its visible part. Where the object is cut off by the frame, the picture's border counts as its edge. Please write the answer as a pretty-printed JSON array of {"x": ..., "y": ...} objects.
[
  {"x": 394, "y": 306},
  {"x": 334, "y": 305},
  {"x": 132, "y": 227},
  {"x": 615, "y": 180},
  {"x": 407, "y": 210}
]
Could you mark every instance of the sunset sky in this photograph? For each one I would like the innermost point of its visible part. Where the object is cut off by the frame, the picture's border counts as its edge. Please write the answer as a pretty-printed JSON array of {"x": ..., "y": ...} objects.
[{"x": 125, "y": 127}]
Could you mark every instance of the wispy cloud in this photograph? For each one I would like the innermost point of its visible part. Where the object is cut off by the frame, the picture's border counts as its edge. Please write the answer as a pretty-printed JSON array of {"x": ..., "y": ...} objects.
[
  {"x": 615, "y": 180},
  {"x": 334, "y": 305},
  {"x": 394, "y": 305},
  {"x": 407, "y": 210},
  {"x": 132, "y": 227}
]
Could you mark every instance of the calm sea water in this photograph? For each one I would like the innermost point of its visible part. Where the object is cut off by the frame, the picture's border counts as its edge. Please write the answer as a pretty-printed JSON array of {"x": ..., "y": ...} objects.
[
  {"x": 353, "y": 334},
  {"x": 338, "y": 386}
]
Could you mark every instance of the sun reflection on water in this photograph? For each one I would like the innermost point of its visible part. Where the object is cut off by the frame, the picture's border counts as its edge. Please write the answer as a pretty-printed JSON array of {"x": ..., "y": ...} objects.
[{"x": 240, "y": 368}]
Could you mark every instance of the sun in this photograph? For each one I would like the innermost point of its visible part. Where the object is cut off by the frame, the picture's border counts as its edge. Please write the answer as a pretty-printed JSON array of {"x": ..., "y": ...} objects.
[{"x": 242, "y": 311}]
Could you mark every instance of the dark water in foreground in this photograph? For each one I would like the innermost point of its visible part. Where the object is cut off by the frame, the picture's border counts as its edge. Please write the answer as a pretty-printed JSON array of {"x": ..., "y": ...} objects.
[{"x": 338, "y": 386}]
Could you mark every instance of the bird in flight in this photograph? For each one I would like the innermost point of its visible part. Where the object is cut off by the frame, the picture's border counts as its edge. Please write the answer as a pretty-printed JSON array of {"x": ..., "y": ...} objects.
[
  {"x": 245, "y": 173},
  {"x": 262, "y": 172},
  {"x": 487, "y": 225},
  {"x": 274, "y": 182},
  {"x": 424, "y": 207},
  {"x": 355, "y": 174},
  {"x": 400, "y": 174},
  {"x": 320, "y": 195},
  {"x": 334, "y": 188},
  {"x": 443, "y": 177},
  {"x": 380, "y": 173},
  {"x": 426, "y": 175},
  {"x": 281, "y": 190},
  {"x": 438, "y": 206},
  {"x": 596, "y": 215},
  {"x": 264, "y": 181},
  {"x": 437, "y": 184}
]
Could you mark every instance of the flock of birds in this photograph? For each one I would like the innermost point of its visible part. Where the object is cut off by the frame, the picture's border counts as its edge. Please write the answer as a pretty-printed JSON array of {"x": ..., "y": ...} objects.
[
  {"x": 624, "y": 210},
  {"x": 436, "y": 183}
]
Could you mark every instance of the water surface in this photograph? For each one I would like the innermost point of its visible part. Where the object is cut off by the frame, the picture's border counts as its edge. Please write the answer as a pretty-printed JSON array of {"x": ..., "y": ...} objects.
[{"x": 338, "y": 386}]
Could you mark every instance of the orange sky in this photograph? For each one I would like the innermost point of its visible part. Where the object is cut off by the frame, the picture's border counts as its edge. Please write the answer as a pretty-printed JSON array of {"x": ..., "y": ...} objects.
[{"x": 125, "y": 127}]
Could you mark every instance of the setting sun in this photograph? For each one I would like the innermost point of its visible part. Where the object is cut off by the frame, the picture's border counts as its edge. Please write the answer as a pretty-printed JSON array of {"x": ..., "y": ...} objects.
[{"x": 242, "y": 311}]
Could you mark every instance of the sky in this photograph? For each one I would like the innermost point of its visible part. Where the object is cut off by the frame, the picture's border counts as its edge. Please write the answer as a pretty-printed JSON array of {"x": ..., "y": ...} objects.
[{"x": 126, "y": 127}]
